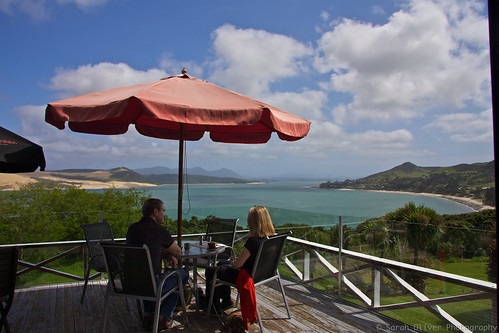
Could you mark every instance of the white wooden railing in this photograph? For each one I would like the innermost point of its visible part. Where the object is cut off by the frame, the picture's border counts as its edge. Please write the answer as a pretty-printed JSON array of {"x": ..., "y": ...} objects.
[{"x": 311, "y": 252}]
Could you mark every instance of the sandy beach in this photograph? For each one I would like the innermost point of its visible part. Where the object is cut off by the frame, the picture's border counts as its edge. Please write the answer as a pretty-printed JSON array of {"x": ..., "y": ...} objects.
[{"x": 474, "y": 204}]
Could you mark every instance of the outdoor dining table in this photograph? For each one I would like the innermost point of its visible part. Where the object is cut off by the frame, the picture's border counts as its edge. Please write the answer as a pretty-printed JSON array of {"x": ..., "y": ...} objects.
[{"x": 194, "y": 251}]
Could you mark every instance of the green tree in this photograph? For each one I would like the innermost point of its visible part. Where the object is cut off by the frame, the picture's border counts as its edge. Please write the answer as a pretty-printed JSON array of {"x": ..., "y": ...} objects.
[
  {"x": 376, "y": 233},
  {"x": 46, "y": 213},
  {"x": 421, "y": 226}
]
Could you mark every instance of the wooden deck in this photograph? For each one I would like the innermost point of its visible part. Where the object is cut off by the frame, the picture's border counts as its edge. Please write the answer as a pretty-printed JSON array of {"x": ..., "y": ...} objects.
[{"x": 57, "y": 308}]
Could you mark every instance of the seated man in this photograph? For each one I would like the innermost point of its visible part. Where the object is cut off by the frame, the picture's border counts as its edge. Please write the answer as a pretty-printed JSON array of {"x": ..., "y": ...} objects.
[{"x": 149, "y": 231}]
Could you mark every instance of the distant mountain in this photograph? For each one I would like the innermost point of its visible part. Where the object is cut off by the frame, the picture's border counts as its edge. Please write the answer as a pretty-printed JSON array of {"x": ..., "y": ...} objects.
[
  {"x": 123, "y": 174},
  {"x": 467, "y": 180},
  {"x": 155, "y": 170},
  {"x": 223, "y": 173},
  {"x": 193, "y": 179}
]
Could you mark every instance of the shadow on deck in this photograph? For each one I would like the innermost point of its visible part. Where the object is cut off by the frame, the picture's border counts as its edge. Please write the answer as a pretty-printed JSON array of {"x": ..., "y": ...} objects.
[{"x": 57, "y": 308}]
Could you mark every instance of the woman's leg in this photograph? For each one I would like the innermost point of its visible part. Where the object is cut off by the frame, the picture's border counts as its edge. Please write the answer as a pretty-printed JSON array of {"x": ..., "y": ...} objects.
[
  {"x": 229, "y": 274},
  {"x": 209, "y": 273}
]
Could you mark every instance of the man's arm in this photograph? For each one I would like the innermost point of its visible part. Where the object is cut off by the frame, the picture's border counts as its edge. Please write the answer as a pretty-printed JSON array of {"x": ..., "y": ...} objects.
[
  {"x": 174, "y": 250},
  {"x": 171, "y": 253}
]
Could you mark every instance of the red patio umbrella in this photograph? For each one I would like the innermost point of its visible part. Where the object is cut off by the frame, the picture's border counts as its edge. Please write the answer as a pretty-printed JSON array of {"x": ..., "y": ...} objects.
[{"x": 178, "y": 108}]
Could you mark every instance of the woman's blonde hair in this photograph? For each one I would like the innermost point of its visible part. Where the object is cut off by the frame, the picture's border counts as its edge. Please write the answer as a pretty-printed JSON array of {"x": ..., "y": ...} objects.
[{"x": 259, "y": 222}]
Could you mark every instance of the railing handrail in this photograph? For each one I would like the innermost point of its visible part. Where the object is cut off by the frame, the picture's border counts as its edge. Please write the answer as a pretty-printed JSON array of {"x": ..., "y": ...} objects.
[
  {"x": 450, "y": 277},
  {"x": 468, "y": 281}
]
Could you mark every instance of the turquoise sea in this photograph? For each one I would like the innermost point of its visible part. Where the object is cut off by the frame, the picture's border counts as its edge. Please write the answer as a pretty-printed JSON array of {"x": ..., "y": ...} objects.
[{"x": 293, "y": 202}]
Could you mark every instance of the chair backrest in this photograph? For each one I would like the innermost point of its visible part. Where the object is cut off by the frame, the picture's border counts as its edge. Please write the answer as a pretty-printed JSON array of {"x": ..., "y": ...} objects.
[
  {"x": 95, "y": 233},
  {"x": 130, "y": 269},
  {"x": 8, "y": 270},
  {"x": 268, "y": 257},
  {"x": 222, "y": 230}
]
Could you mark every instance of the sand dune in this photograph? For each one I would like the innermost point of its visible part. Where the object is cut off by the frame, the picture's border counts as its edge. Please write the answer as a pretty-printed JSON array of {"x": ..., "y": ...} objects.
[{"x": 15, "y": 181}]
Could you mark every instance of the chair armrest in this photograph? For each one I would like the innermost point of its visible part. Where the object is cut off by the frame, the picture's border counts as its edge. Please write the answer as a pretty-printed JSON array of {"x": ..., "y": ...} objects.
[
  {"x": 232, "y": 255},
  {"x": 159, "y": 296},
  {"x": 166, "y": 276}
]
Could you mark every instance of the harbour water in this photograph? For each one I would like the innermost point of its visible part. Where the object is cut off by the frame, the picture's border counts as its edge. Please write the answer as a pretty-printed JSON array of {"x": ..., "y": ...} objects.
[{"x": 293, "y": 202}]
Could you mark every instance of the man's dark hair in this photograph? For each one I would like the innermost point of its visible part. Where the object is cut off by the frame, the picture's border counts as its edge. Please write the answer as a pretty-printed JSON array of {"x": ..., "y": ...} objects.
[{"x": 149, "y": 206}]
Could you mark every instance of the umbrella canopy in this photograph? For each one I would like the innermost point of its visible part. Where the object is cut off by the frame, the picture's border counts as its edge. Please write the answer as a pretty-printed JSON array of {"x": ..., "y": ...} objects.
[
  {"x": 18, "y": 154},
  {"x": 178, "y": 108}
]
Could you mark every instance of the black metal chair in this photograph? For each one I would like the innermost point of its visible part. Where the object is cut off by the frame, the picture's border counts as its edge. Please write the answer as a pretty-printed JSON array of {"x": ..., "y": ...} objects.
[
  {"x": 8, "y": 270},
  {"x": 95, "y": 233},
  {"x": 131, "y": 275},
  {"x": 223, "y": 231},
  {"x": 265, "y": 270}
]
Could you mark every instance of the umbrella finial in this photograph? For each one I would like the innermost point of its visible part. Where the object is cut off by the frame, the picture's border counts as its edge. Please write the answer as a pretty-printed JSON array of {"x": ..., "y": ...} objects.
[{"x": 184, "y": 71}]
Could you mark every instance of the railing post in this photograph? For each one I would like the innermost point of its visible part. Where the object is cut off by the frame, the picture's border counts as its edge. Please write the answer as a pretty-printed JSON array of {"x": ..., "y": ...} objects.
[
  {"x": 376, "y": 288},
  {"x": 340, "y": 261},
  {"x": 306, "y": 265},
  {"x": 100, "y": 216}
]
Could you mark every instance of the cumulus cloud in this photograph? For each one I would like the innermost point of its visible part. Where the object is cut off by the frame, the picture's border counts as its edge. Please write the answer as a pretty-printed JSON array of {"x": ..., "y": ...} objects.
[
  {"x": 327, "y": 137},
  {"x": 428, "y": 55},
  {"x": 249, "y": 60},
  {"x": 174, "y": 67},
  {"x": 307, "y": 104},
  {"x": 89, "y": 78},
  {"x": 465, "y": 127}
]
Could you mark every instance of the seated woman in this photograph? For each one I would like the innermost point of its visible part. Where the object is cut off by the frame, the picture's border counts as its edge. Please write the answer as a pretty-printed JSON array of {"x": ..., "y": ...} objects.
[{"x": 260, "y": 225}]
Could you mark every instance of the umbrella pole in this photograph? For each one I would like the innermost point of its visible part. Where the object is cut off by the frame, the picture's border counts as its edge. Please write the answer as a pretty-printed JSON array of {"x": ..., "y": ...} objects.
[{"x": 180, "y": 185}]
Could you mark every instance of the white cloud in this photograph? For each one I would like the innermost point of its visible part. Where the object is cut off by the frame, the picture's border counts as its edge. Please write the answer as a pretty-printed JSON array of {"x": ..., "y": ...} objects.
[
  {"x": 174, "y": 67},
  {"x": 431, "y": 56},
  {"x": 307, "y": 104},
  {"x": 378, "y": 10},
  {"x": 249, "y": 60},
  {"x": 36, "y": 9},
  {"x": 423, "y": 58},
  {"x": 66, "y": 148},
  {"x": 84, "y": 4},
  {"x": 381, "y": 140},
  {"x": 89, "y": 78},
  {"x": 326, "y": 138},
  {"x": 40, "y": 10},
  {"x": 465, "y": 127}
]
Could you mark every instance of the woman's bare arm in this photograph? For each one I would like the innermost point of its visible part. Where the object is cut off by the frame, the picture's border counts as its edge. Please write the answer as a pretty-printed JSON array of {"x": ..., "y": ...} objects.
[{"x": 239, "y": 262}]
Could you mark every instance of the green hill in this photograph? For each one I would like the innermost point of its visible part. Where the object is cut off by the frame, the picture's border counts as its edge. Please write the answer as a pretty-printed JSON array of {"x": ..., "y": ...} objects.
[{"x": 467, "y": 180}]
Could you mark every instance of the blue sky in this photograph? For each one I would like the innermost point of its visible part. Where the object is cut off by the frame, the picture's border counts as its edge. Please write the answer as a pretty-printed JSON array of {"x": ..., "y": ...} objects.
[{"x": 383, "y": 82}]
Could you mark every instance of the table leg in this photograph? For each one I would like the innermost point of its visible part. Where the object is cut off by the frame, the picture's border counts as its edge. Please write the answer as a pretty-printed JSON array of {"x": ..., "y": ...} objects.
[{"x": 195, "y": 281}]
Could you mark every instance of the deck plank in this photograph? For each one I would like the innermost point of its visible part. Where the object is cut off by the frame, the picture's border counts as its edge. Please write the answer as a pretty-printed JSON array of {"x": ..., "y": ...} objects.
[{"x": 57, "y": 308}]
